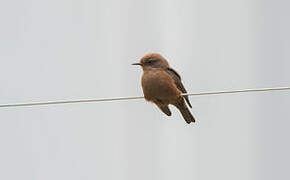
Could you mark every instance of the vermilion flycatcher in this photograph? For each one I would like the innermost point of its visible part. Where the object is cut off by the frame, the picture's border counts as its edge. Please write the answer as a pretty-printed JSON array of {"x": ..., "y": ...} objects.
[{"x": 162, "y": 85}]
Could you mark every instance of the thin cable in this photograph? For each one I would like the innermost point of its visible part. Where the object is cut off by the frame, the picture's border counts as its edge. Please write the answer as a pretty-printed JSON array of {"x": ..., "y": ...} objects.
[
  {"x": 237, "y": 91},
  {"x": 141, "y": 97}
]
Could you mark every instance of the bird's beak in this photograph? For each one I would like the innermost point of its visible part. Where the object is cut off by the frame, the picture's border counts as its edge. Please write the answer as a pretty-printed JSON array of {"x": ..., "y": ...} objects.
[{"x": 139, "y": 64}]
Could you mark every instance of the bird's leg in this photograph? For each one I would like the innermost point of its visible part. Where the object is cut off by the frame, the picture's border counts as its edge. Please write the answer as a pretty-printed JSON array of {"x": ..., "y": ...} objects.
[
  {"x": 159, "y": 101},
  {"x": 163, "y": 107}
]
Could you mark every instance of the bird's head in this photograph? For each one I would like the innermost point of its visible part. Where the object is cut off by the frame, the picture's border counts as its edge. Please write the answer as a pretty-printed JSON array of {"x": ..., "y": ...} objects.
[{"x": 153, "y": 60}]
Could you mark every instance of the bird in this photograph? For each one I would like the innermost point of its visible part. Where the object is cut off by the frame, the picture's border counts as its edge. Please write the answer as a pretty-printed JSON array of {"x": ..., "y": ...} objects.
[{"x": 162, "y": 86}]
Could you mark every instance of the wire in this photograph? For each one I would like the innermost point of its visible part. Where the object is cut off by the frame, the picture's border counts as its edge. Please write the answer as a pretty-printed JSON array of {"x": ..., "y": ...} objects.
[
  {"x": 238, "y": 91},
  {"x": 140, "y": 97}
]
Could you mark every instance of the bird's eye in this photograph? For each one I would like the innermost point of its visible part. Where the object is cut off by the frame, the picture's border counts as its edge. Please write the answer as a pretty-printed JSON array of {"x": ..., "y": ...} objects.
[{"x": 151, "y": 61}]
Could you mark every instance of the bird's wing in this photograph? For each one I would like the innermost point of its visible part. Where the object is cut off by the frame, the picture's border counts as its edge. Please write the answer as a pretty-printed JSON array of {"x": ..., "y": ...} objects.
[{"x": 178, "y": 83}]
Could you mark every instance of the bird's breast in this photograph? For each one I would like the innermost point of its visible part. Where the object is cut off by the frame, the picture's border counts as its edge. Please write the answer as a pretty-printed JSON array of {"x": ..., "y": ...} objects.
[{"x": 159, "y": 85}]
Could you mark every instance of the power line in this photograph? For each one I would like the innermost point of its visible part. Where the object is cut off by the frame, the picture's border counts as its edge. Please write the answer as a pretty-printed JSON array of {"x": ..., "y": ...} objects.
[
  {"x": 238, "y": 91},
  {"x": 140, "y": 97}
]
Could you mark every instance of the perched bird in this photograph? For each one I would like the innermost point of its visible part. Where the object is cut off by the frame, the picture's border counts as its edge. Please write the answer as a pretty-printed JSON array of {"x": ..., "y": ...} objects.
[{"x": 162, "y": 85}]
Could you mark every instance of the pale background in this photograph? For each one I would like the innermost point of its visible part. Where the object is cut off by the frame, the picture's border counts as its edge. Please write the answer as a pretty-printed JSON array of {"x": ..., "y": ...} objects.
[{"x": 58, "y": 50}]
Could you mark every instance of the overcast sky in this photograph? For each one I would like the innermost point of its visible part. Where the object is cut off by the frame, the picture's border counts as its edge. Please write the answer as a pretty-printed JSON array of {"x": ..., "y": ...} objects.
[{"x": 73, "y": 49}]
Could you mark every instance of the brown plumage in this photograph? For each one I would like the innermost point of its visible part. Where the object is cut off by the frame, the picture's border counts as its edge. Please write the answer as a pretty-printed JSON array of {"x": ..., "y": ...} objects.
[{"x": 162, "y": 85}]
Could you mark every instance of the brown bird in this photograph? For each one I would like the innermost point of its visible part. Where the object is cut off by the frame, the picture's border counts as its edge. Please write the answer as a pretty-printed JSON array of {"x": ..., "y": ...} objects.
[{"x": 162, "y": 85}]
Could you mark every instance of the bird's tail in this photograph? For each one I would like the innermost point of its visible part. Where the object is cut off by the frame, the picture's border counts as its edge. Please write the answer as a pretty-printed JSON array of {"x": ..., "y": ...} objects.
[{"x": 185, "y": 112}]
